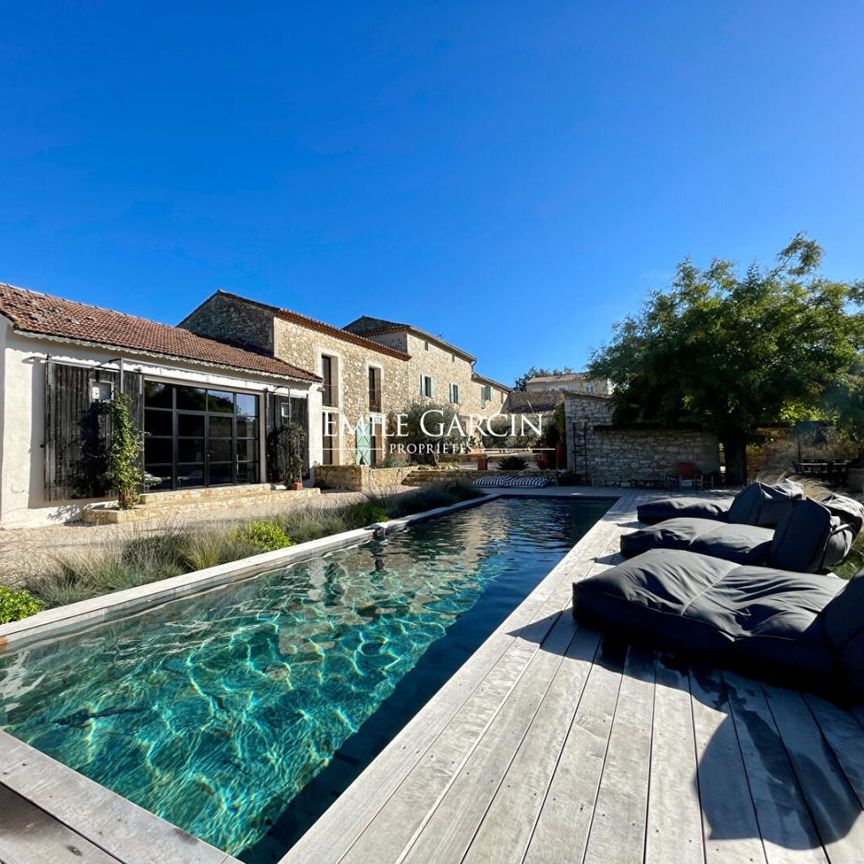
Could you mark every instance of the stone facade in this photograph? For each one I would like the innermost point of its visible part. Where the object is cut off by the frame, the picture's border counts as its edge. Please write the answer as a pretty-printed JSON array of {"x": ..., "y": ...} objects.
[
  {"x": 401, "y": 357},
  {"x": 445, "y": 366},
  {"x": 608, "y": 455},
  {"x": 351, "y": 363}
]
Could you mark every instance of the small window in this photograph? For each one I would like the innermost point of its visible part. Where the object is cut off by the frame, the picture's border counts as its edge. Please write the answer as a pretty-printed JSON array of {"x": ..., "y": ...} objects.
[
  {"x": 589, "y": 388},
  {"x": 427, "y": 388},
  {"x": 286, "y": 411},
  {"x": 329, "y": 390},
  {"x": 425, "y": 346},
  {"x": 485, "y": 395},
  {"x": 454, "y": 394},
  {"x": 452, "y": 358},
  {"x": 374, "y": 389}
]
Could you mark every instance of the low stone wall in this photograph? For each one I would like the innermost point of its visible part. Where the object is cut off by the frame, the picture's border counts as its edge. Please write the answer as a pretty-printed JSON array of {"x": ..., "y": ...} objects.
[
  {"x": 359, "y": 478},
  {"x": 624, "y": 455}
]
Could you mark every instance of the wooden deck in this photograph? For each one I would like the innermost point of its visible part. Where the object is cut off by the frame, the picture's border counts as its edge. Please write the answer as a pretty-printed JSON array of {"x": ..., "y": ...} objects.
[{"x": 554, "y": 745}]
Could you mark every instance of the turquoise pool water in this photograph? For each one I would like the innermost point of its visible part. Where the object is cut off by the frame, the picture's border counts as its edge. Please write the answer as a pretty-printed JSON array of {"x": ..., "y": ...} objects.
[{"x": 239, "y": 714}]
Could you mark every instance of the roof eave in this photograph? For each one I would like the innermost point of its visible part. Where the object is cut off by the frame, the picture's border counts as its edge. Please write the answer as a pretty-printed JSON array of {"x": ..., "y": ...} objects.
[{"x": 68, "y": 340}]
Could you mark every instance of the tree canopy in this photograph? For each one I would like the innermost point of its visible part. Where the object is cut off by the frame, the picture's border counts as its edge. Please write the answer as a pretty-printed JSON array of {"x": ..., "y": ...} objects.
[{"x": 733, "y": 351}]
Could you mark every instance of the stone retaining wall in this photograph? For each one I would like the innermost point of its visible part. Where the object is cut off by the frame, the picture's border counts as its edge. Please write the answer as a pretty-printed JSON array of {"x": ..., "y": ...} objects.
[{"x": 359, "y": 478}]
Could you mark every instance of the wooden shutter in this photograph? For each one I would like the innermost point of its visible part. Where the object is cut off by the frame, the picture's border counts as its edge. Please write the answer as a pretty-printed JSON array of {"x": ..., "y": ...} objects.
[{"x": 78, "y": 428}]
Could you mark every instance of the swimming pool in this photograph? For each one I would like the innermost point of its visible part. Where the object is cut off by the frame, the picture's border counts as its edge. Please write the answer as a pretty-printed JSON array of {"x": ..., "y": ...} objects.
[{"x": 241, "y": 713}]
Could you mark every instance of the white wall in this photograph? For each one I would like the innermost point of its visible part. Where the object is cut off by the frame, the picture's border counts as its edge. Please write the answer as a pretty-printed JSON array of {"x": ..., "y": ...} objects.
[{"x": 22, "y": 416}]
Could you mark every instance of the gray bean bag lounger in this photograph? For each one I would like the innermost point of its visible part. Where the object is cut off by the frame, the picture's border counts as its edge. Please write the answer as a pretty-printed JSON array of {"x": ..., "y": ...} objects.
[
  {"x": 759, "y": 504},
  {"x": 813, "y": 537},
  {"x": 765, "y": 621}
]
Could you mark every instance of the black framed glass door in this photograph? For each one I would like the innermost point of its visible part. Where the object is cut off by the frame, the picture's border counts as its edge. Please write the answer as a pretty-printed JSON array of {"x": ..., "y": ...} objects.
[{"x": 197, "y": 436}]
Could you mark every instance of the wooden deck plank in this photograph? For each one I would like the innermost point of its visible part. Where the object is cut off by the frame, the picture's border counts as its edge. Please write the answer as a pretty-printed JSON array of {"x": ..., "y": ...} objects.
[
  {"x": 28, "y": 835},
  {"x": 730, "y": 827},
  {"x": 507, "y": 825},
  {"x": 363, "y": 803},
  {"x": 561, "y": 832},
  {"x": 674, "y": 830},
  {"x": 788, "y": 833},
  {"x": 844, "y": 736},
  {"x": 618, "y": 828},
  {"x": 833, "y": 804},
  {"x": 451, "y": 826}
]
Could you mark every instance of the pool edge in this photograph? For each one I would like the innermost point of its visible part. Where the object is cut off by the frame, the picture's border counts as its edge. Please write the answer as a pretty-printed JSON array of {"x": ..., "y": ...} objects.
[{"x": 73, "y": 617}]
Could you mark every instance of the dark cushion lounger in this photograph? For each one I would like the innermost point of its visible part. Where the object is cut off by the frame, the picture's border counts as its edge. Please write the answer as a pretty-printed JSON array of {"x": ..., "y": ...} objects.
[
  {"x": 759, "y": 504},
  {"x": 762, "y": 620},
  {"x": 813, "y": 537}
]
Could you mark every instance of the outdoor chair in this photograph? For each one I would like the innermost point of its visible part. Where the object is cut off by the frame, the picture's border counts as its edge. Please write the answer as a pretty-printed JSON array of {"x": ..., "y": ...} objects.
[
  {"x": 804, "y": 629},
  {"x": 759, "y": 504},
  {"x": 813, "y": 537}
]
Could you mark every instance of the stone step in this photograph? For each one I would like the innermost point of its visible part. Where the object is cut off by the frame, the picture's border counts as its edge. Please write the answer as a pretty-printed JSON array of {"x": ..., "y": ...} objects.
[
  {"x": 101, "y": 514},
  {"x": 209, "y": 493}
]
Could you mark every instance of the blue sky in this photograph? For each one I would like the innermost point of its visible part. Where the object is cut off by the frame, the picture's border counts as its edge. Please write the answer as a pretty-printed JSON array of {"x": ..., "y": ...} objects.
[{"x": 512, "y": 176}]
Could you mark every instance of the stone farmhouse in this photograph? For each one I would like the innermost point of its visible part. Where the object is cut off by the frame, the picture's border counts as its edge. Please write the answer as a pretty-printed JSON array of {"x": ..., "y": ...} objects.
[{"x": 370, "y": 368}]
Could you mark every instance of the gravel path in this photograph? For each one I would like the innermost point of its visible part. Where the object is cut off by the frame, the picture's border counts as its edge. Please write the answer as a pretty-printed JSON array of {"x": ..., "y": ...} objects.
[{"x": 30, "y": 550}]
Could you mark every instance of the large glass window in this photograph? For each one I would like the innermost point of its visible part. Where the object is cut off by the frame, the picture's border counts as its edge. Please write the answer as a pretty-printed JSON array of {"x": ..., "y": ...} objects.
[{"x": 199, "y": 437}]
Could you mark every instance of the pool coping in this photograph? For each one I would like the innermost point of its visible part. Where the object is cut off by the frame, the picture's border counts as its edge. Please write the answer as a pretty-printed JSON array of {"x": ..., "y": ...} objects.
[{"x": 73, "y": 617}]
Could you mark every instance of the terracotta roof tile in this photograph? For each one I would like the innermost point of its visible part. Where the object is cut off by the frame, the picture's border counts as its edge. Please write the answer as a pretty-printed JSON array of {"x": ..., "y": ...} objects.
[{"x": 32, "y": 312}]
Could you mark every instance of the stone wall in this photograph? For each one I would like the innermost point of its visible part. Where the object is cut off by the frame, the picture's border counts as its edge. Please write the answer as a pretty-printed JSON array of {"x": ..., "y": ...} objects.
[
  {"x": 227, "y": 319},
  {"x": 622, "y": 456},
  {"x": 303, "y": 346},
  {"x": 360, "y": 478},
  {"x": 608, "y": 455},
  {"x": 446, "y": 367}
]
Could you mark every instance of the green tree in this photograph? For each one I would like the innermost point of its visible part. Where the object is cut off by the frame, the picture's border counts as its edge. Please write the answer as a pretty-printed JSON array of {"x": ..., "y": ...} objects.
[
  {"x": 124, "y": 454},
  {"x": 845, "y": 406},
  {"x": 535, "y": 371},
  {"x": 731, "y": 352}
]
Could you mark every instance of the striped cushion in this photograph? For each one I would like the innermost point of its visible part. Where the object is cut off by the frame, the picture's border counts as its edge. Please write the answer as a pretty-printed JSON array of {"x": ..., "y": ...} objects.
[{"x": 499, "y": 480}]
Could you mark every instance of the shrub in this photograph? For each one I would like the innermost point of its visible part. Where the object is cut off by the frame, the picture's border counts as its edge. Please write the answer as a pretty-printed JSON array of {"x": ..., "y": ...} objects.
[
  {"x": 71, "y": 580},
  {"x": 15, "y": 605},
  {"x": 309, "y": 524},
  {"x": 264, "y": 536},
  {"x": 512, "y": 463},
  {"x": 364, "y": 513},
  {"x": 433, "y": 495}
]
